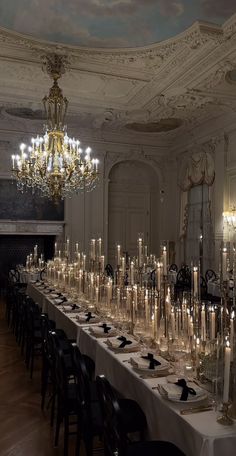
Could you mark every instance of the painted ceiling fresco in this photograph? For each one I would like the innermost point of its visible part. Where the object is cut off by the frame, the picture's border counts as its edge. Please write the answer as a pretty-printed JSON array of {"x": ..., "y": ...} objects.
[{"x": 110, "y": 23}]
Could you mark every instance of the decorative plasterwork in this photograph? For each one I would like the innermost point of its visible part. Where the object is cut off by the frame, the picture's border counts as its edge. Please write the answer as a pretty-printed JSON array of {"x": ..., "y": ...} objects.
[
  {"x": 196, "y": 35},
  {"x": 108, "y": 88},
  {"x": 136, "y": 154}
]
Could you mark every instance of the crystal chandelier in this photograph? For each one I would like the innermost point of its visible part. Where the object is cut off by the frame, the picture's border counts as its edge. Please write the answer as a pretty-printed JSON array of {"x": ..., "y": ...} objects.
[{"x": 54, "y": 163}]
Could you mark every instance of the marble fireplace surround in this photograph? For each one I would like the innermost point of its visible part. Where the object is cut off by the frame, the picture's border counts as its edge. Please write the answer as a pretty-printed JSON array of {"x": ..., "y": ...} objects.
[{"x": 32, "y": 227}]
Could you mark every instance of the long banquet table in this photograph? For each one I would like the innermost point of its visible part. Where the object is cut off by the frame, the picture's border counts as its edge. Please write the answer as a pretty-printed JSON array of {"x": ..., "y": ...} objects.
[{"x": 196, "y": 434}]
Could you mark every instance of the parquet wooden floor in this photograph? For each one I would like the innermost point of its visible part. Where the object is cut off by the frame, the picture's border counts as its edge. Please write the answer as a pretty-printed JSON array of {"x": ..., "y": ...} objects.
[{"x": 24, "y": 429}]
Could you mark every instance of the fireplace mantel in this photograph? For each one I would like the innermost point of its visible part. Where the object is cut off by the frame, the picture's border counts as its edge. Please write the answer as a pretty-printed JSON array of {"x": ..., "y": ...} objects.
[{"x": 32, "y": 227}]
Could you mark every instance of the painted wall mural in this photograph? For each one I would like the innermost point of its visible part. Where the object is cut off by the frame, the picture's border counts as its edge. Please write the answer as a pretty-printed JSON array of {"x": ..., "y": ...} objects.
[
  {"x": 110, "y": 23},
  {"x": 15, "y": 205}
]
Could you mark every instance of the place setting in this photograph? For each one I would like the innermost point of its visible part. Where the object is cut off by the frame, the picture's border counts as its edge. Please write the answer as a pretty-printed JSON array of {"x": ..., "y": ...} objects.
[
  {"x": 150, "y": 365},
  {"x": 123, "y": 344},
  {"x": 71, "y": 308},
  {"x": 103, "y": 331},
  {"x": 87, "y": 318}
]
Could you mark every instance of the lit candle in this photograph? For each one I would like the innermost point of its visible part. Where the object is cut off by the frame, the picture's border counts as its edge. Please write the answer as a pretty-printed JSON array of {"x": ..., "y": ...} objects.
[
  {"x": 55, "y": 249},
  {"x": 212, "y": 324},
  {"x": 195, "y": 282},
  {"x": 140, "y": 248},
  {"x": 92, "y": 251},
  {"x": 118, "y": 297},
  {"x": 146, "y": 307},
  {"x": 168, "y": 305},
  {"x": 109, "y": 292},
  {"x": 203, "y": 323},
  {"x": 164, "y": 254},
  {"x": 135, "y": 290},
  {"x": 232, "y": 334},
  {"x": 172, "y": 316},
  {"x": 102, "y": 260},
  {"x": 123, "y": 266},
  {"x": 128, "y": 300},
  {"x": 97, "y": 290},
  {"x": 226, "y": 372},
  {"x": 78, "y": 259},
  {"x": 190, "y": 325},
  {"x": 99, "y": 247},
  {"x": 118, "y": 255},
  {"x": 224, "y": 263},
  {"x": 84, "y": 262},
  {"x": 158, "y": 276},
  {"x": 197, "y": 351},
  {"x": 132, "y": 273},
  {"x": 77, "y": 248}
]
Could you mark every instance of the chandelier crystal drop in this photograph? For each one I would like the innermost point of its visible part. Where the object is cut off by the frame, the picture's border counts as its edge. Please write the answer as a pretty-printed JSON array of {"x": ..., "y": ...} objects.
[{"x": 54, "y": 163}]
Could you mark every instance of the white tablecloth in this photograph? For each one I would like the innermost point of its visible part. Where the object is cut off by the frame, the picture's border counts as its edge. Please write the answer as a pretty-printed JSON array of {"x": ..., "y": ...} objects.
[
  {"x": 196, "y": 435},
  {"x": 26, "y": 276},
  {"x": 213, "y": 288}
]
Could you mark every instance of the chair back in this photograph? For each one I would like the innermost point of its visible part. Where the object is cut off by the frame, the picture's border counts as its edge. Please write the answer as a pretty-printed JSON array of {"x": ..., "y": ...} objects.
[
  {"x": 210, "y": 275},
  {"x": 115, "y": 439},
  {"x": 83, "y": 378},
  {"x": 173, "y": 267}
]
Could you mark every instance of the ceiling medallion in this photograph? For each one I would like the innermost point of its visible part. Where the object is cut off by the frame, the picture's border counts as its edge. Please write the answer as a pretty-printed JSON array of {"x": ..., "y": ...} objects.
[
  {"x": 55, "y": 163},
  {"x": 161, "y": 126}
]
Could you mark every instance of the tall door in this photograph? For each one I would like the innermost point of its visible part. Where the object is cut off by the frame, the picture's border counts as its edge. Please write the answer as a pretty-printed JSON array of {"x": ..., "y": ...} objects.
[{"x": 129, "y": 216}]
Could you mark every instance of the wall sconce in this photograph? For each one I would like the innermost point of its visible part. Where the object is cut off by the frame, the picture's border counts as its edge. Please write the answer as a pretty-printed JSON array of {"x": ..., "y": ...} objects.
[{"x": 229, "y": 218}]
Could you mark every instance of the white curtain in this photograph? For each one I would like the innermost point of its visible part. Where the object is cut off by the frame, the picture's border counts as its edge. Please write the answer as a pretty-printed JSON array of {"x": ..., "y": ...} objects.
[
  {"x": 199, "y": 170},
  {"x": 195, "y": 218},
  {"x": 199, "y": 240}
]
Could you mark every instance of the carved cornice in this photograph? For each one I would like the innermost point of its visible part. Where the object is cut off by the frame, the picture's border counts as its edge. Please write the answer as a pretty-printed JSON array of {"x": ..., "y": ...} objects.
[{"x": 194, "y": 37}]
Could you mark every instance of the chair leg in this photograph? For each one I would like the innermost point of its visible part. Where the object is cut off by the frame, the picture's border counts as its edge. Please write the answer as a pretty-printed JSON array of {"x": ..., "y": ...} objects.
[
  {"x": 58, "y": 424},
  {"x": 78, "y": 441},
  {"x": 66, "y": 434},
  {"x": 89, "y": 447},
  {"x": 53, "y": 409},
  {"x": 32, "y": 362},
  {"x": 44, "y": 386}
]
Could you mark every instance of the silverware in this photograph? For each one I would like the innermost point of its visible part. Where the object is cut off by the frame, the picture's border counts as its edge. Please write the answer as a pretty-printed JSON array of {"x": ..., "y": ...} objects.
[{"x": 201, "y": 408}]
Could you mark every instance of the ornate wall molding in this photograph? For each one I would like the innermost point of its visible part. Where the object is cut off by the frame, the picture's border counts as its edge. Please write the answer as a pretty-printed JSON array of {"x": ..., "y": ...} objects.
[{"x": 111, "y": 159}]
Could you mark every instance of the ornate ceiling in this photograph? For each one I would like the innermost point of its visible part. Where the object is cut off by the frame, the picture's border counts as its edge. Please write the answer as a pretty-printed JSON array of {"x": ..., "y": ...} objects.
[
  {"x": 110, "y": 23},
  {"x": 150, "y": 95}
]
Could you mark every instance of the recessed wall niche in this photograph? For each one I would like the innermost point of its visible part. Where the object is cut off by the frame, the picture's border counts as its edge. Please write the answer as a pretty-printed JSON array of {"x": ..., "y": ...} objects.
[{"x": 133, "y": 207}]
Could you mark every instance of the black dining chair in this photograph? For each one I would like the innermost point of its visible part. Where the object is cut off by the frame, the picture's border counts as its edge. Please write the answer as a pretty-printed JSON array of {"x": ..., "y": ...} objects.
[
  {"x": 67, "y": 401},
  {"x": 173, "y": 267},
  {"x": 183, "y": 281},
  {"x": 116, "y": 441},
  {"x": 210, "y": 275},
  {"x": 90, "y": 423}
]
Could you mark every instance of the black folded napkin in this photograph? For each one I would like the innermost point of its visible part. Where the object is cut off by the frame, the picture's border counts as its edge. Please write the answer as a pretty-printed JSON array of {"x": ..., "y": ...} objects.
[
  {"x": 124, "y": 341},
  {"x": 106, "y": 328},
  {"x": 186, "y": 390},
  {"x": 153, "y": 361},
  {"x": 74, "y": 306},
  {"x": 89, "y": 316}
]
